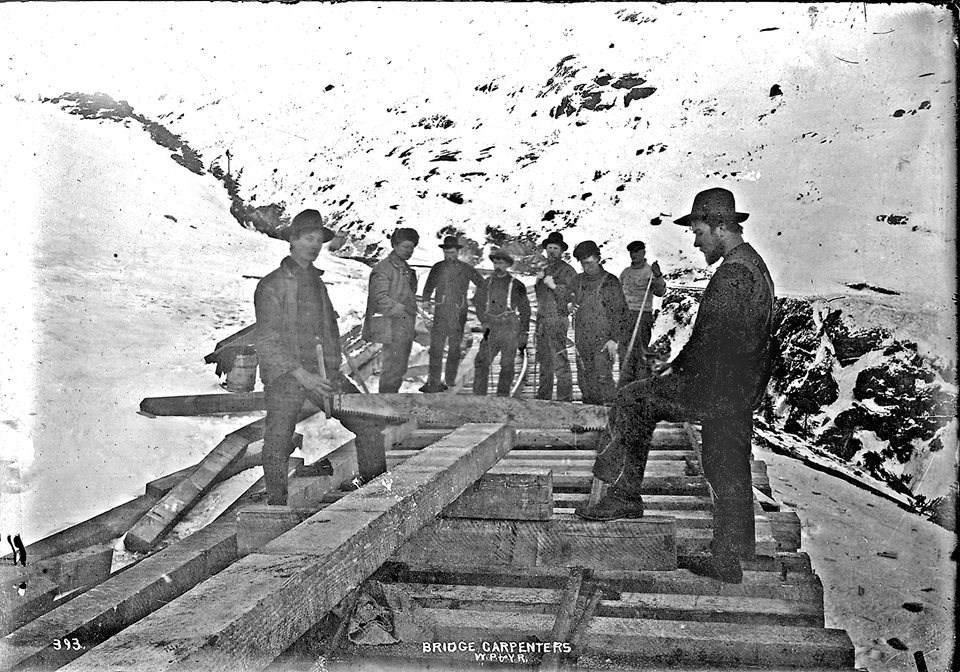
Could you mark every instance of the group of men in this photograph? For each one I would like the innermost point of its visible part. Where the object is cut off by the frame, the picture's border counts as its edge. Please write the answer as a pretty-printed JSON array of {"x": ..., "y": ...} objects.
[{"x": 718, "y": 377}]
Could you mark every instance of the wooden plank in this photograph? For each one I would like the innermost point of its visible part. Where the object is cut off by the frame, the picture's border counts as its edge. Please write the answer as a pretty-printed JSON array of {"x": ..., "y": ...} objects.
[
  {"x": 567, "y": 501},
  {"x": 434, "y": 410},
  {"x": 693, "y": 541},
  {"x": 565, "y": 541},
  {"x": 128, "y": 595},
  {"x": 786, "y": 529},
  {"x": 805, "y": 587},
  {"x": 164, "y": 515},
  {"x": 573, "y": 480},
  {"x": 161, "y": 486},
  {"x": 204, "y": 404},
  {"x": 564, "y": 621},
  {"x": 507, "y": 493},
  {"x": 713, "y": 608},
  {"x": 689, "y": 642},
  {"x": 24, "y": 595},
  {"x": 675, "y": 607},
  {"x": 766, "y": 501},
  {"x": 664, "y": 440},
  {"x": 231, "y": 620},
  {"x": 258, "y": 525},
  {"x": 80, "y": 569},
  {"x": 100, "y": 529}
]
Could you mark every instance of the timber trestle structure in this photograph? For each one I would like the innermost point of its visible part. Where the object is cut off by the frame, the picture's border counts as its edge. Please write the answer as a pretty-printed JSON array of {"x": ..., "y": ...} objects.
[{"x": 460, "y": 550}]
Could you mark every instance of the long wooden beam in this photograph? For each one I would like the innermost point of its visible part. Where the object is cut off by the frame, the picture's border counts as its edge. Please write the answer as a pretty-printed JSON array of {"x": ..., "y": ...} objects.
[
  {"x": 145, "y": 534},
  {"x": 563, "y": 541},
  {"x": 127, "y": 596},
  {"x": 249, "y": 613}
]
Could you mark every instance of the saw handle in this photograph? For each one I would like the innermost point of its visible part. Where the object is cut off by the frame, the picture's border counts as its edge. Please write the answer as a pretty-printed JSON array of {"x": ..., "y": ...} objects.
[{"x": 322, "y": 370}]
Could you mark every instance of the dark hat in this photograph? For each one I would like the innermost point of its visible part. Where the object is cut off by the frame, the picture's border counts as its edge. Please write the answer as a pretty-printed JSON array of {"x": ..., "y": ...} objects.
[
  {"x": 500, "y": 254},
  {"x": 713, "y": 205},
  {"x": 449, "y": 242},
  {"x": 305, "y": 222},
  {"x": 587, "y": 248},
  {"x": 636, "y": 245},
  {"x": 555, "y": 238},
  {"x": 403, "y": 234}
]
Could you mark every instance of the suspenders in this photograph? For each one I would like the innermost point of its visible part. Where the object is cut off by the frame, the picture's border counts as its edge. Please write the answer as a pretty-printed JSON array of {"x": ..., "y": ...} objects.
[{"x": 510, "y": 308}]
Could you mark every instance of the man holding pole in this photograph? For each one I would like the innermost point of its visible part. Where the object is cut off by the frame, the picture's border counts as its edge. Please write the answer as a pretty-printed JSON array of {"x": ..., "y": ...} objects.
[
  {"x": 295, "y": 322},
  {"x": 641, "y": 282}
]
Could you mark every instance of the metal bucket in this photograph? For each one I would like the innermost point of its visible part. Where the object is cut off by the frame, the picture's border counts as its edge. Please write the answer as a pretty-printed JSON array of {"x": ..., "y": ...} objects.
[{"x": 243, "y": 375}]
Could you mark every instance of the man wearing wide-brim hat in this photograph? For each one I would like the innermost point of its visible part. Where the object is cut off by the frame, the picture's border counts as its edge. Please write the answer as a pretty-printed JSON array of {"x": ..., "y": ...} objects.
[
  {"x": 554, "y": 289},
  {"x": 294, "y": 315},
  {"x": 450, "y": 279},
  {"x": 719, "y": 377},
  {"x": 504, "y": 311}
]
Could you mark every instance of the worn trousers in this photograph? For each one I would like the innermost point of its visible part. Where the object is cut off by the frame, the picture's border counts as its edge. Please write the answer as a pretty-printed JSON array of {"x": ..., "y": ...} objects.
[
  {"x": 394, "y": 358},
  {"x": 633, "y": 364},
  {"x": 500, "y": 337},
  {"x": 552, "y": 359},
  {"x": 284, "y": 397},
  {"x": 447, "y": 336},
  {"x": 725, "y": 454},
  {"x": 595, "y": 374}
]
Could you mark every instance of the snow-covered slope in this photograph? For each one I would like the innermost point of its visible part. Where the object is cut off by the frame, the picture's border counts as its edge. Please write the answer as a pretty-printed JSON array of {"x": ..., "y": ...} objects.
[
  {"x": 833, "y": 123},
  {"x": 124, "y": 271}
]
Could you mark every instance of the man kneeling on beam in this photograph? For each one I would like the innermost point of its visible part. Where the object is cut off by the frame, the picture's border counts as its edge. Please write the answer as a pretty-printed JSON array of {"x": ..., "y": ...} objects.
[{"x": 719, "y": 377}]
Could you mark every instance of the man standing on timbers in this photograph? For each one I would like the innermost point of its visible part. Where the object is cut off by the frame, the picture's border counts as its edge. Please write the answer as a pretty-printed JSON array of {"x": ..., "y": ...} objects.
[
  {"x": 450, "y": 279},
  {"x": 554, "y": 288},
  {"x": 294, "y": 316},
  {"x": 641, "y": 282},
  {"x": 504, "y": 311},
  {"x": 718, "y": 378}
]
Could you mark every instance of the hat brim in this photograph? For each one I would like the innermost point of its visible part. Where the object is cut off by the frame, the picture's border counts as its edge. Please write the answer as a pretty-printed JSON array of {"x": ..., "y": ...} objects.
[
  {"x": 547, "y": 241},
  {"x": 686, "y": 220},
  {"x": 450, "y": 247},
  {"x": 328, "y": 235},
  {"x": 501, "y": 257}
]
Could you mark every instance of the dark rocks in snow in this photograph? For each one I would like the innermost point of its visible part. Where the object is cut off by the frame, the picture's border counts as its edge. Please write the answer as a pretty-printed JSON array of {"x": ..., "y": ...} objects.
[
  {"x": 455, "y": 197},
  {"x": 775, "y": 91},
  {"x": 850, "y": 343},
  {"x": 638, "y": 93},
  {"x": 435, "y": 121}
]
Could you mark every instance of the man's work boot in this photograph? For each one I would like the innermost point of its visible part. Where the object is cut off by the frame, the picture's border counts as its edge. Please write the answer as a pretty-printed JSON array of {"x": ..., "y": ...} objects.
[
  {"x": 721, "y": 569},
  {"x": 432, "y": 388},
  {"x": 612, "y": 507},
  {"x": 609, "y": 462}
]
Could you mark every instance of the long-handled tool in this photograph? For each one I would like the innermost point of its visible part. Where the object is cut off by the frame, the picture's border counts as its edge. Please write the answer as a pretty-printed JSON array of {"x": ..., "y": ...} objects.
[
  {"x": 523, "y": 373},
  {"x": 636, "y": 326},
  {"x": 354, "y": 370},
  {"x": 322, "y": 370}
]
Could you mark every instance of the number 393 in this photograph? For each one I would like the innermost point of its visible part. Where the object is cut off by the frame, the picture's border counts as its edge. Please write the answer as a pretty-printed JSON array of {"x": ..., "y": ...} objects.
[{"x": 67, "y": 644}]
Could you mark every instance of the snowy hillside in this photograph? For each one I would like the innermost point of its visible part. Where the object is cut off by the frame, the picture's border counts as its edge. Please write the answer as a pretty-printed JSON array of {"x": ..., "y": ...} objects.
[
  {"x": 833, "y": 124},
  {"x": 123, "y": 272}
]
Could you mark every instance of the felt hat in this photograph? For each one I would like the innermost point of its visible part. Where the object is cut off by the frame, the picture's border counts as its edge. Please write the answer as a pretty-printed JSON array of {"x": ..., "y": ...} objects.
[
  {"x": 500, "y": 254},
  {"x": 713, "y": 205},
  {"x": 587, "y": 248},
  {"x": 305, "y": 222},
  {"x": 404, "y": 233},
  {"x": 636, "y": 245},
  {"x": 555, "y": 238},
  {"x": 450, "y": 242}
]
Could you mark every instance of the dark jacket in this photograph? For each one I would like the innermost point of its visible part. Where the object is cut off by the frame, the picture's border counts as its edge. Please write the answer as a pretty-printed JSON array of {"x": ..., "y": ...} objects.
[
  {"x": 601, "y": 309},
  {"x": 279, "y": 348},
  {"x": 726, "y": 361},
  {"x": 451, "y": 280},
  {"x": 552, "y": 303},
  {"x": 391, "y": 301},
  {"x": 492, "y": 304}
]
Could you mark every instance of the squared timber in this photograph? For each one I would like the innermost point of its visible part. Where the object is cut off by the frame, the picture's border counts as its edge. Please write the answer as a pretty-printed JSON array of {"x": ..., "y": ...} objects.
[{"x": 252, "y": 611}]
